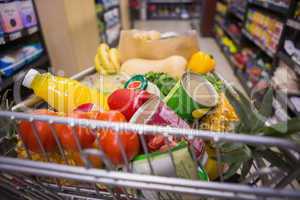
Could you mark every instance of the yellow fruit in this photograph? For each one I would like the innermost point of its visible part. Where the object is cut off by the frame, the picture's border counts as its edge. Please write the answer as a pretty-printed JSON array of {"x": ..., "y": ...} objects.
[
  {"x": 99, "y": 66},
  {"x": 211, "y": 166},
  {"x": 197, "y": 114},
  {"x": 114, "y": 56},
  {"x": 103, "y": 53},
  {"x": 201, "y": 63}
]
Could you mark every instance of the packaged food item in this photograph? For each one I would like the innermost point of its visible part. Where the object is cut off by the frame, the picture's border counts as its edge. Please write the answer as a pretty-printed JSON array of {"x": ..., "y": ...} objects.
[
  {"x": 127, "y": 101},
  {"x": 13, "y": 60},
  {"x": 174, "y": 66},
  {"x": 201, "y": 63},
  {"x": 162, "y": 165},
  {"x": 131, "y": 46},
  {"x": 10, "y": 17},
  {"x": 27, "y": 13},
  {"x": 155, "y": 112},
  {"x": 192, "y": 97},
  {"x": 139, "y": 82},
  {"x": 61, "y": 93}
]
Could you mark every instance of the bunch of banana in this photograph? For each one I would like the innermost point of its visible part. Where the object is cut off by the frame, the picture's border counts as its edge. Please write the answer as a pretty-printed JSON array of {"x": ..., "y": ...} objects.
[{"x": 107, "y": 60}]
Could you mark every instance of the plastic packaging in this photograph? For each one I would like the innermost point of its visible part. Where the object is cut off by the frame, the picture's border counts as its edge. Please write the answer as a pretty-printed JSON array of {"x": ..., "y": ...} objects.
[{"x": 63, "y": 94}]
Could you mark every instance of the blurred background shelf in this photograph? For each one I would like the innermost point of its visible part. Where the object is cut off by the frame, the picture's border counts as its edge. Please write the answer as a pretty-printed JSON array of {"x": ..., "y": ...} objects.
[
  {"x": 40, "y": 62},
  {"x": 270, "y": 5}
]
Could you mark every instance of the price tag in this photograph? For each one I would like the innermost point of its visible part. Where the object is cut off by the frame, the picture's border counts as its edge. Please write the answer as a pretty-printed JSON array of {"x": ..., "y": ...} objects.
[
  {"x": 32, "y": 30},
  {"x": 16, "y": 35},
  {"x": 2, "y": 40}
]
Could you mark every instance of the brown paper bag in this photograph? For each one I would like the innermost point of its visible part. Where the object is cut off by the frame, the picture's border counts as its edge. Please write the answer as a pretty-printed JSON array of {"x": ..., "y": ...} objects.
[{"x": 183, "y": 45}]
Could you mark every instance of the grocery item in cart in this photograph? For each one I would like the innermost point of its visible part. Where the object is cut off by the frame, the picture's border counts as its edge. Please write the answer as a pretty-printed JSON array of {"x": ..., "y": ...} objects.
[
  {"x": 155, "y": 112},
  {"x": 61, "y": 93},
  {"x": 162, "y": 80},
  {"x": 131, "y": 46},
  {"x": 127, "y": 101},
  {"x": 192, "y": 97},
  {"x": 182, "y": 166},
  {"x": 139, "y": 82},
  {"x": 107, "y": 60},
  {"x": 43, "y": 132},
  {"x": 201, "y": 63},
  {"x": 174, "y": 66},
  {"x": 113, "y": 143}
]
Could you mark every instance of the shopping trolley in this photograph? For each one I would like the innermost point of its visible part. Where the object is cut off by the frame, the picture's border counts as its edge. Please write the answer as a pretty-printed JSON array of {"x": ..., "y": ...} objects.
[{"x": 28, "y": 179}]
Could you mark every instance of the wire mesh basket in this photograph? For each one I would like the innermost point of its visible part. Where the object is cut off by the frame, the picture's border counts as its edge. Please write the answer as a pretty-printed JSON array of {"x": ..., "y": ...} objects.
[{"x": 165, "y": 176}]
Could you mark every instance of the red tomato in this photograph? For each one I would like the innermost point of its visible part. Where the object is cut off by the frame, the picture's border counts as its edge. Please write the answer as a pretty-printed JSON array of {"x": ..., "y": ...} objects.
[
  {"x": 43, "y": 130},
  {"x": 108, "y": 139},
  {"x": 85, "y": 136},
  {"x": 127, "y": 101}
]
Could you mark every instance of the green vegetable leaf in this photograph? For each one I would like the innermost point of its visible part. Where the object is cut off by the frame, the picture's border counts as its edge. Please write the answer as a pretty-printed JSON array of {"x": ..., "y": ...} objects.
[
  {"x": 266, "y": 108},
  {"x": 233, "y": 168},
  {"x": 283, "y": 129},
  {"x": 246, "y": 168},
  {"x": 240, "y": 110},
  {"x": 275, "y": 158},
  {"x": 255, "y": 119},
  {"x": 162, "y": 80}
]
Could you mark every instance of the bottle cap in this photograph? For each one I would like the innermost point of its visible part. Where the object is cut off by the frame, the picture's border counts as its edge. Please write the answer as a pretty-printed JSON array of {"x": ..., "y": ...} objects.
[
  {"x": 29, "y": 78},
  {"x": 137, "y": 82}
]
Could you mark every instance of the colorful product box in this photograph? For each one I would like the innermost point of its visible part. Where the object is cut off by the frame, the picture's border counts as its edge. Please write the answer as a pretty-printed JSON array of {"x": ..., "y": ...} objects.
[
  {"x": 10, "y": 17},
  {"x": 27, "y": 13}
]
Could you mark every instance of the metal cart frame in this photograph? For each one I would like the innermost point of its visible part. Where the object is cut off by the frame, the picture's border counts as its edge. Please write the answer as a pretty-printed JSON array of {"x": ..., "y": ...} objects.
[{"x": 42, "y": 180}]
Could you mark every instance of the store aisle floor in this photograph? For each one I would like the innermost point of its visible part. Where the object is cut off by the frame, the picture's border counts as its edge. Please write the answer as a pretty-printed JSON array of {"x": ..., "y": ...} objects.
[{"x": 206, "y": 44}]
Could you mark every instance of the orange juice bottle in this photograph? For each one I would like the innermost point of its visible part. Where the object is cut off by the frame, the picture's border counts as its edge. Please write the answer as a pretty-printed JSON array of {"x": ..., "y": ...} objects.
[{"x": 61, "y": 93}]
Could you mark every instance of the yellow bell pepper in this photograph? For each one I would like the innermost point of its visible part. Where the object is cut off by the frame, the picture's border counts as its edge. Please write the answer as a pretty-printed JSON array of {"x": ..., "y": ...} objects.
[
  {"x": 211, "y": 166},
  {"x": 201, "y": 63}
]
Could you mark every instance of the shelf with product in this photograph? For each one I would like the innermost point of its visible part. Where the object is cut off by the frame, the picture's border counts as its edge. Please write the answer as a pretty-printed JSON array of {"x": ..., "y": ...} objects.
[
  {"x": 281, "y": 7},
  {"x": 21, "y": 42},
  {"x": 238, "y": 9},
  {"x": 109, "y": 20},
  {"x": 172, "y": 10},
  {"x": 39, "y": 61},
  {"x": 262, "y": 37},
  {"x": 6, "y": 38},
  {"x": 171, "y": 1}
]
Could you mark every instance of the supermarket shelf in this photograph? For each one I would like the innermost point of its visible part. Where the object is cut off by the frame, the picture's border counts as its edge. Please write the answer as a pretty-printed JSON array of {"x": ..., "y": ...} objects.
[
  {"x": 226, "y": 54},
  {"x": 236, "y": 14},
  {"x": 270, "y": 6},
  {"x": 111, "y": 8},
  {"x": 7, "y": 38},
  {"x": 289, "y": 61},
  {"x": 235, "y": 39},
  {"x": 234, "y": 66},
  {"x": 171, "y": 1},
  {"x": 6, "y": 82},
  {"x": 170, "y": 18},
  {"x": 113, "y": 25},
  {"x": 293, "y": 24},
  {"x": 262, "y": 47}
]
